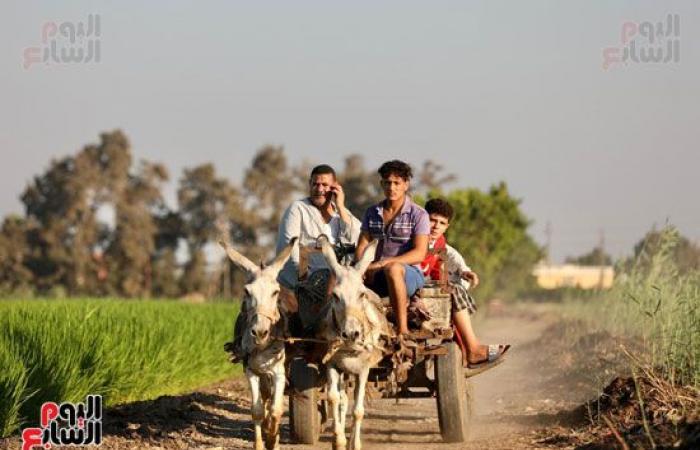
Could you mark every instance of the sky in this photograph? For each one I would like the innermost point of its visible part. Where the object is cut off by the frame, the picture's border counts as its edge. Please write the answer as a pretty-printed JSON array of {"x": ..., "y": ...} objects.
[{"x": 492, "y": 90}]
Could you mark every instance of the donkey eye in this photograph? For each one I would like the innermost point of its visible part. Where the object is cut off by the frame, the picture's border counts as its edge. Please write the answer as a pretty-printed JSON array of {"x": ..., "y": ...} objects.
[{"x": 276, "y": 293}]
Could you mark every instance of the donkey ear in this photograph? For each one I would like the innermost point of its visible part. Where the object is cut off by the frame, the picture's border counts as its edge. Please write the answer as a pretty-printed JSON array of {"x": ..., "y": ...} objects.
[
  {"x": 367, "y": 257},
  {"x": 239, "y": 260},
  {"x": 282, "y": 258},
  {"x": 329, "y": 253}
]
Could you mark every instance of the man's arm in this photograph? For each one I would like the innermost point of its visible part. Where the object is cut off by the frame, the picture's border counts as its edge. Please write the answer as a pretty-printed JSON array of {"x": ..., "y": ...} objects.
[
  {"x": 458, "y": 269},
  {"x": 290, "y": 227},
  {"x": 349, "y": 225},
  {"x": 362, "y": 243},
  {"x": 345, "y": 215},
  {"x": 455, "y": 261}
]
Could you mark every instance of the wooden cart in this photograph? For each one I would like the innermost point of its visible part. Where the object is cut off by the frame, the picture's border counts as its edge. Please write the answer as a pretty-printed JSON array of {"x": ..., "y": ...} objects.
[{"x": 436, "y": 371}]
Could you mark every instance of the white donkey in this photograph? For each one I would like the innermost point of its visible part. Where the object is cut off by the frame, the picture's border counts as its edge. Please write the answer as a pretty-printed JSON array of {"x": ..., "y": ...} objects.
[
  {"x": 356, "y": 321},
  {"x": 262, "y": 343}
]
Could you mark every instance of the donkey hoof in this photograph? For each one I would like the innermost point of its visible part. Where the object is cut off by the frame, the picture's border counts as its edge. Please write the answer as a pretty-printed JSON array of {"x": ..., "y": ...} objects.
[{"x": 272, "y": 444}]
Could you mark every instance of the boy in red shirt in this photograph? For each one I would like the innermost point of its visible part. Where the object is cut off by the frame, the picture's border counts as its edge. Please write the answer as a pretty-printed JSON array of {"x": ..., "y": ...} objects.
[{"x": 461, "y": 278}]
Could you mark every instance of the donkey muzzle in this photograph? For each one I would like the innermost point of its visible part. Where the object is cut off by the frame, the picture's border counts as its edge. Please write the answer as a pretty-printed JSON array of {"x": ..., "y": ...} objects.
[{"x": 261, "y": 335}]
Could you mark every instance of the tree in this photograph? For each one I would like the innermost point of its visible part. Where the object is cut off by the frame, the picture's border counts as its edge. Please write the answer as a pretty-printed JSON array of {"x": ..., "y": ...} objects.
[
  {"x": 63, "y": 204},
  {"x": 515, "y": 277},
  {"x": 203, "y": 200},
  {"x": 14, "y": 274},
  {"x": 490, "y": 231},
  {"x": 169, "y": 232},
  {"x": 429, "y": 178},
  {"x": 360, "y": 185},
  {"x": 134, "y": 237},
  {"x": 596, "y": 257},
  {"x": 269, "y": 185},
  {"x": 164, "y": 272}
]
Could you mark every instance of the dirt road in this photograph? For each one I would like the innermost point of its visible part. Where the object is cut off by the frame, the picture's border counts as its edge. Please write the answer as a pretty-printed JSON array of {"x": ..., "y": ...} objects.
[{"x": 512, "y": 401}]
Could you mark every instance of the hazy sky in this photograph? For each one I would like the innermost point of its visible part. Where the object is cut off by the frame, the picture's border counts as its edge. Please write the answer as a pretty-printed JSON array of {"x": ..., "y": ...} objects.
[{"x": 493, "y": 90}]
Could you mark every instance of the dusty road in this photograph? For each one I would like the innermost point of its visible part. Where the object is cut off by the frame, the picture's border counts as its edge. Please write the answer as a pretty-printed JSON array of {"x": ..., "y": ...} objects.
[{"x": 512, "y": 400}]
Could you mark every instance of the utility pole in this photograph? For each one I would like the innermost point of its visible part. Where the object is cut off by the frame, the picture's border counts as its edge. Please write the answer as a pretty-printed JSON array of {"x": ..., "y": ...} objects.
[
  {"x": 548, "y": 245},
  {"x": 601, "y": 256}
]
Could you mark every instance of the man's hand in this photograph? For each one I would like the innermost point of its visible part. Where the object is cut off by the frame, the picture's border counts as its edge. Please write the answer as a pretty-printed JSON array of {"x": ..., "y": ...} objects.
[
  {"x": 377, "y": 265},
  {"x": 337, "y": 189},
  {"x": 471, "y": 277},
  {"x": 372, "y": 269}
]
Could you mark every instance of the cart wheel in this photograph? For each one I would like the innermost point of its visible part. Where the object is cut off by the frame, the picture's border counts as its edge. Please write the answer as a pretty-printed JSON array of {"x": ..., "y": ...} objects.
[
  {"x": 304, "y": 414},
  {"x": 454, "y": 395}
]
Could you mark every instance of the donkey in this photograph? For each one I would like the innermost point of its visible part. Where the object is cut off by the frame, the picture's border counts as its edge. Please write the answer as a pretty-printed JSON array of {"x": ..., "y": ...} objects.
[
  {"x": 262, "y": 342},
  {"x": 356, "y": 322}
]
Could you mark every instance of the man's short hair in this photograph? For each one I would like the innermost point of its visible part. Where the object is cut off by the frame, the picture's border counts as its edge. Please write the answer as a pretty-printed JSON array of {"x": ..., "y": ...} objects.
[
  {"x": 322, "y": 169},
  {"x": 396, "y": 167},
  {"x": 441, "y": 207}
]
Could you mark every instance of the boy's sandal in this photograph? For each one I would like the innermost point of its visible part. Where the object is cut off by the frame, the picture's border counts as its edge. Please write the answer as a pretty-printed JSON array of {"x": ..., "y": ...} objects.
[{"x": 495, "y": 357}]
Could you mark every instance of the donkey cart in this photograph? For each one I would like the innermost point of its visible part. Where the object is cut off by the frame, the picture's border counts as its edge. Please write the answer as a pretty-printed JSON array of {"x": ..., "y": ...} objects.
[{"x": 428, "y": 365}]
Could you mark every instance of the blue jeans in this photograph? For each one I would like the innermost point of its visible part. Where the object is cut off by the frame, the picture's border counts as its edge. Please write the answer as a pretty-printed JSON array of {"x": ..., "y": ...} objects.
[{"x": 413, "y": 278}]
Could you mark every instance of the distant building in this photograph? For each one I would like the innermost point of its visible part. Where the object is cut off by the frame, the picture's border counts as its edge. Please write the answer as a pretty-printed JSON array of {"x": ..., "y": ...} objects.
[{"x": 571, "y": 275}]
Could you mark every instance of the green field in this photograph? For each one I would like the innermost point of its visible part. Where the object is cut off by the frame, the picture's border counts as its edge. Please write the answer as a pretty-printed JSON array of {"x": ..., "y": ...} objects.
[
  {"x": 62, "y": 350},
  {"x": 657, "y": 307}
]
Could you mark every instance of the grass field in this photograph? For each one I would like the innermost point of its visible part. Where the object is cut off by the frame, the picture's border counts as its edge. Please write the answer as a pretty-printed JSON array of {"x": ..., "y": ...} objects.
[
  {"x": 62, "y": 350},
  {"x": 655, "y": 306}
]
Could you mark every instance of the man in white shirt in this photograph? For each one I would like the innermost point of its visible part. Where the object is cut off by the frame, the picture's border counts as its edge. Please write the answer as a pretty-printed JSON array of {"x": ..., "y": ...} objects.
[{"x": 322, "y": 212}]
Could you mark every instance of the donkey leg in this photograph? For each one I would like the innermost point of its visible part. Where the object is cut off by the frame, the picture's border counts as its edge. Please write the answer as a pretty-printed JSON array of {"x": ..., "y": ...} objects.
[
  {"x": 359, "y": 409},
  {"x": 339, "y": 441},
  {"x": 257, "y": 408},
  {"x": 343, "y": 402},
  {"x": 276, "y": 407}
]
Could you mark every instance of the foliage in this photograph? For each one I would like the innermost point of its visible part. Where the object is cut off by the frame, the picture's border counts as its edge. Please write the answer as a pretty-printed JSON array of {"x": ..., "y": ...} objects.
[
  {"x": 490, "y": 231},
  {"x": 14, "y": 274},
  {"x": 596, "y": 257},
  {"x": 430, "y": 179},
  {"x": 269, "y": 184},
  {"x": 136, "y": 228},
  {"x": 64, "y": 246},
  {"x": 360, "y": 185},
  {"x": 684, "y": 254},
  {"x": 62, "y": 205}
]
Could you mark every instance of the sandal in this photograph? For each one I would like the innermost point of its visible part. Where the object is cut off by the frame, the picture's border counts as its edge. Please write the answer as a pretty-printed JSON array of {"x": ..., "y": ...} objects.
[{"x": 495, "y": 357}]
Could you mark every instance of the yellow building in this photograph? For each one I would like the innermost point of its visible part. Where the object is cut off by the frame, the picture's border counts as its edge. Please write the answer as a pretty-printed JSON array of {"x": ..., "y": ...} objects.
[{"x": 571, "y": 275}]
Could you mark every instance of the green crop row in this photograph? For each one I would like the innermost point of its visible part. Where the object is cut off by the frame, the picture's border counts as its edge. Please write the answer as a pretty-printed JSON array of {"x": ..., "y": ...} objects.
[{"x": 63, "y": 350}]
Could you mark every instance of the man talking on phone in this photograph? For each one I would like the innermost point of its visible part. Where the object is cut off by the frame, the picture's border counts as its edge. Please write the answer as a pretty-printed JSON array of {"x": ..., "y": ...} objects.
[{"x": 322, "y": 212}]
